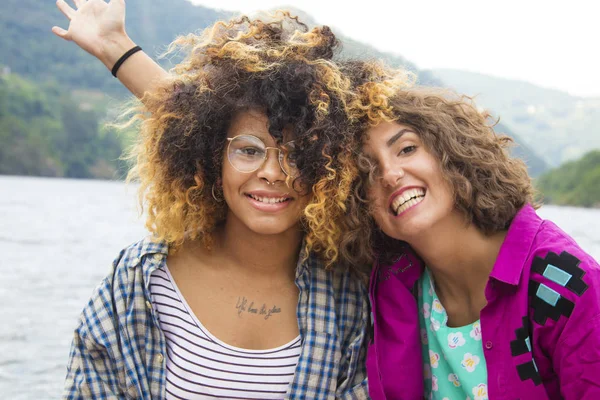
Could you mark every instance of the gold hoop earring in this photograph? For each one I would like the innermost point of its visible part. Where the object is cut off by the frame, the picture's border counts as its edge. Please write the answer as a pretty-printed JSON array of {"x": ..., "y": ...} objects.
[{"x": 214, "y": 195}]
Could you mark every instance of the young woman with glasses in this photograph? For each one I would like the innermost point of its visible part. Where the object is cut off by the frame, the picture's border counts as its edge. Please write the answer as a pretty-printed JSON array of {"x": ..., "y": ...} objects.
[{"x": 244, "y": 170}]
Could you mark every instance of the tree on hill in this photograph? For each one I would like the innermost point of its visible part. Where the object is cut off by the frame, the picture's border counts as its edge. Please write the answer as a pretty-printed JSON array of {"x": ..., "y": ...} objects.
[
  {"x": 43, "y": 132},
  {"x": 575, "y": 183}
]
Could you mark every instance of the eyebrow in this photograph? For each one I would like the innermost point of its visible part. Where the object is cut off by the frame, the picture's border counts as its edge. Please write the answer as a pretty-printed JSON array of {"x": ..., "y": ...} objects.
[{"x": 397, "y": 136}]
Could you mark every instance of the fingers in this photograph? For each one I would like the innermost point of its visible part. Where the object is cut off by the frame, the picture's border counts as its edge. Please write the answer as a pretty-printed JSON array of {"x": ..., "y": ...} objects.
[
  {"x": 79, "y": 3},
  {"x": 60, "y": 32},
  {"x": 65, "y": 9},
  {"x": 118, "y": 3}
]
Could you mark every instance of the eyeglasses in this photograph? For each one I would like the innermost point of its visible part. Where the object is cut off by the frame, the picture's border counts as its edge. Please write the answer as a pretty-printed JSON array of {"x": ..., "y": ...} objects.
[{"x": 247, "y": 153}]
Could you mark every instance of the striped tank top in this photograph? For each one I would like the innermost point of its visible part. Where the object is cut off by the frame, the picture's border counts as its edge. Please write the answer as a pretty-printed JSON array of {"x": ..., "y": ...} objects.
[{"x": 200, "y": 366}]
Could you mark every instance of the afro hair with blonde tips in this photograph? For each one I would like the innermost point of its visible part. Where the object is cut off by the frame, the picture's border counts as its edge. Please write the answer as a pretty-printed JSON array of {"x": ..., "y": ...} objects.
[{"x": 279, "y": 67}]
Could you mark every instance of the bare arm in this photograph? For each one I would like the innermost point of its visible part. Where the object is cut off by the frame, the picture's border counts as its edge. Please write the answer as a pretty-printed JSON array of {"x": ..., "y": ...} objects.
[{"x": 98, "y": 27}]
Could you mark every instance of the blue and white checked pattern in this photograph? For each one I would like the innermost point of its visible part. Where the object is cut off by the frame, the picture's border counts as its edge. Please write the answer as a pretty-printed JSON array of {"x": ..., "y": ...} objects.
[{"x": 118, "y": 348}]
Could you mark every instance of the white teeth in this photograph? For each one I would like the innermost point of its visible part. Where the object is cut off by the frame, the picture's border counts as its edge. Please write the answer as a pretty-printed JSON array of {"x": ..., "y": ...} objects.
[
  {"x": 408, "y": 199},
  {"x": 269, "y": 200}
]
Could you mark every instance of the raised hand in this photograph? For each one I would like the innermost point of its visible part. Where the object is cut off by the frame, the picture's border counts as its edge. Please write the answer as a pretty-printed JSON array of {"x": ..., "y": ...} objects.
[{"x": 96, "y": 26}]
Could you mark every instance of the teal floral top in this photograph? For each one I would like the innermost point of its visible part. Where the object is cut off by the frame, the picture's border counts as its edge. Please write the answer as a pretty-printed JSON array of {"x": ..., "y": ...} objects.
[{"x": 453, "y": 358}]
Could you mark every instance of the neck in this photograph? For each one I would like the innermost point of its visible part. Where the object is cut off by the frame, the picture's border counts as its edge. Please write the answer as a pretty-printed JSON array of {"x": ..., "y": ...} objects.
[
  {"x": 460, "y": 258},
  {"x": 256, "y": 255}
]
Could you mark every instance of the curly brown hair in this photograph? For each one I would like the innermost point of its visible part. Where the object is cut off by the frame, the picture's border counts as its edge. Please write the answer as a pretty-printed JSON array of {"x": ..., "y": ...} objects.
[
  {"x": 489, "y": 185},
  {"x": 280, "y": 68}
]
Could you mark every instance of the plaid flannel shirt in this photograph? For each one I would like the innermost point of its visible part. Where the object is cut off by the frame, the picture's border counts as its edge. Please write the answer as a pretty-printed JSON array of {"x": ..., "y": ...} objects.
[{"x": 118, "y": 349}]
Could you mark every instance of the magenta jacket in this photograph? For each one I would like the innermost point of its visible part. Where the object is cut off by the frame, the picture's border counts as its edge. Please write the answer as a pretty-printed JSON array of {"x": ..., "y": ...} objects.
[{"x": 540, "y": 328}]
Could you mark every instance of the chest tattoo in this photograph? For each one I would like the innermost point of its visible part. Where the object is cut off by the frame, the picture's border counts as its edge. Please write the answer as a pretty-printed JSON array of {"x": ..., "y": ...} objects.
[{"x": 245, "y": 306}]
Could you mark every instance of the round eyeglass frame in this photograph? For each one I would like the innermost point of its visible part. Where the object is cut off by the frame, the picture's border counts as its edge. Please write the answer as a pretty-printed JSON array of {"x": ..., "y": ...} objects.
[{"x": 280, "y": 155}]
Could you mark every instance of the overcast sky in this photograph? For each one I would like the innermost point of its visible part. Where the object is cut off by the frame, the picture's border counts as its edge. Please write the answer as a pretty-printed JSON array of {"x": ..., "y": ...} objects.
[{"x": 554, "y": 44}]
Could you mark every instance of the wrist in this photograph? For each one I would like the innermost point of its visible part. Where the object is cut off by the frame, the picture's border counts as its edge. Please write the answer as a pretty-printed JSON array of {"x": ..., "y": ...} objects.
[{"x": 114, "y": 48}]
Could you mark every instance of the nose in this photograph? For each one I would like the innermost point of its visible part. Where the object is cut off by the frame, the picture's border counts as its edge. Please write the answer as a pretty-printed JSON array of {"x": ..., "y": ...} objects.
[
  {"x": 391, "y": 175},
  {"x": 271, "y": 169}
]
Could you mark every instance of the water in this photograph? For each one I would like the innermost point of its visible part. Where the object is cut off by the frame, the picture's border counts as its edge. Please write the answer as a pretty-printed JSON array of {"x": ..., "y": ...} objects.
[
  {"x": 58, "y": 238},
  {"x": 57, "y": 241}
]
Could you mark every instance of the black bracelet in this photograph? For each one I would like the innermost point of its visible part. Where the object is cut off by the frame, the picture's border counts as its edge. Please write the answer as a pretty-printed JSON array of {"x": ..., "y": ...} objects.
[{"x": 124, "y": 57}]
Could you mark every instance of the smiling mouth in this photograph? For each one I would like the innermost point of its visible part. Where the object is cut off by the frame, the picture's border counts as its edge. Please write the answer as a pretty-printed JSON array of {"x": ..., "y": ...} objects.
[
  {"x": 407, "y": 200},
  {"x": 269, "y": 200}
]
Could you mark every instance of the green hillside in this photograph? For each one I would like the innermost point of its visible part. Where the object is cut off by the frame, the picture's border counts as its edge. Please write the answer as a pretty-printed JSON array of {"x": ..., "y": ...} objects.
[
  {"x": 44, "y": 132},
  {"x": 559, "y": 126},
  {"x": 576, "y": 183},
  {"x": 31, "y": 50}
]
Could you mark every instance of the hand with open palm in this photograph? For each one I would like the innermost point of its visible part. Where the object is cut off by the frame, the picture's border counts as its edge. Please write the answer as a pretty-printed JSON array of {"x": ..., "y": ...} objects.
[{"x": 96, "y": 26}]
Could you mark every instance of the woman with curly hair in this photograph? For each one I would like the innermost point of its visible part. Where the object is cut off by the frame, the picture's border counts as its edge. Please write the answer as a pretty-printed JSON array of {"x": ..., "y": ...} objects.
[
  {"x": 244, "y": 169},
  {"x": 489, "y": 300}
]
